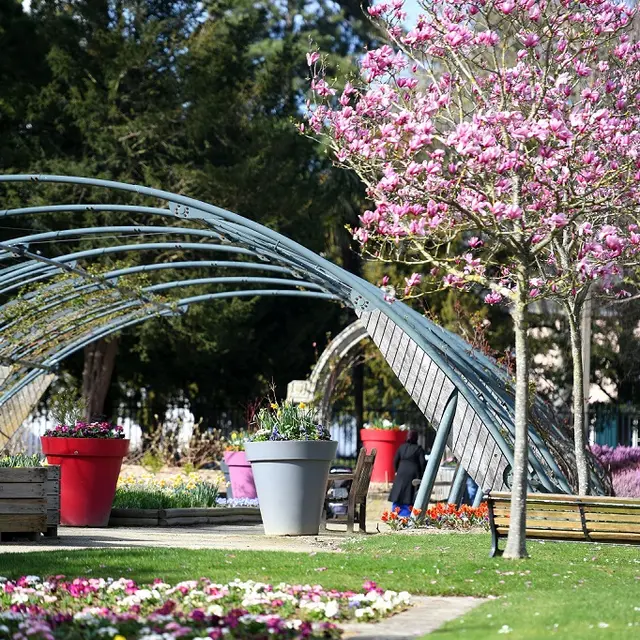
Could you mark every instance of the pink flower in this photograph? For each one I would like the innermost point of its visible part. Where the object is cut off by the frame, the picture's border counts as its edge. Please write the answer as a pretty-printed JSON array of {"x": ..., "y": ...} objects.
[
  {"x": 493, "y": 298},
  {"x": 312, "y": 57},
  {"x": 506, "y": 6},
  {"x": 322, "y": 88},
  {"x": 557, "y": 220}
]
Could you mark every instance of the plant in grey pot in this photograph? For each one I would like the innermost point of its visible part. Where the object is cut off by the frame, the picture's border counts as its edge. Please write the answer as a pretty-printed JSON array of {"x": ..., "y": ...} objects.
[{"x": 290, "y": 454}]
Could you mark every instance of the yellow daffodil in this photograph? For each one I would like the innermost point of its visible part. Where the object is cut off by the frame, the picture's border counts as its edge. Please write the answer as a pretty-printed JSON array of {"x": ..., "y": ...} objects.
[
  {"x": 302, "y": 405},
  {"x": 274, "y": 405}
]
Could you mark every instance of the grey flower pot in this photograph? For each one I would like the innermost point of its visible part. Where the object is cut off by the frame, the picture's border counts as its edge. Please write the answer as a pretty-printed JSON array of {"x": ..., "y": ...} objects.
[{"x": 291, "y": 481}]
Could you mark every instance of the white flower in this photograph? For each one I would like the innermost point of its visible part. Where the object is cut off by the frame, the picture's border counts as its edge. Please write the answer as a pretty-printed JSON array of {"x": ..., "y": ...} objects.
[
  {"x": 602, "y": 625},
  {"x": 10, "y": 615},
  {"x": 106, "y": 631},
  {"x": 505, "y": 629},
  {"x": 89, "y": 617},
  {"x": 19, "y": 597},
  {"x": 331, "y": 609},
  {"x": 366, "y": 612}
]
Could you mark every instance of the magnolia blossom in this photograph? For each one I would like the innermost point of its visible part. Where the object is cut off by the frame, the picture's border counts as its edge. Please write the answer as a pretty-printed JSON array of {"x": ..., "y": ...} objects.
[{"x": 537, "y": 151}]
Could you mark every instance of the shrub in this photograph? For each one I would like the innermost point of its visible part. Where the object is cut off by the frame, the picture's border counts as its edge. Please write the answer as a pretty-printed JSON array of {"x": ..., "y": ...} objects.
[{"x": 623, "y": 463}]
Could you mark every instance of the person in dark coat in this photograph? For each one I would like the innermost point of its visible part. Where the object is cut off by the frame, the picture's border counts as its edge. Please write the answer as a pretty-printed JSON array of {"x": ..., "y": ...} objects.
[{"x": 409, "y": 463}]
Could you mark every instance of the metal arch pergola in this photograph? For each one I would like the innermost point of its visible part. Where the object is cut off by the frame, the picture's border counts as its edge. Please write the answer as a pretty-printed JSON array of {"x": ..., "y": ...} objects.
[{"x": 466, "y": 397}]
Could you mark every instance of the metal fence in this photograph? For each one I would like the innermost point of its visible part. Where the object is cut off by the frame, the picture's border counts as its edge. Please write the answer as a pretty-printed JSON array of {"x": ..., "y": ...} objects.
[{"x": 615, "y": 424}]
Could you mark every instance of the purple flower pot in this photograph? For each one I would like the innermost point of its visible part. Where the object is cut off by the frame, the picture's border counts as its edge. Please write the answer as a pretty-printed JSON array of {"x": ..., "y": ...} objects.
[{"x": 241, "y": 474}]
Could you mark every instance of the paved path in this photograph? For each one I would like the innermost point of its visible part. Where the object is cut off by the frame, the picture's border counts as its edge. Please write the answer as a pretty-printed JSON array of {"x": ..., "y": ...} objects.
[
  {"x": 428, "y": 614},
  {"x": 242, "y": 537}
]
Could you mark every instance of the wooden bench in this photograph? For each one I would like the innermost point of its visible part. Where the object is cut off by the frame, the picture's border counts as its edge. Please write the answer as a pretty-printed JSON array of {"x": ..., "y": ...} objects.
[
  {"x": 563, "y": 517},
  {"x": 356, "y": 500}
]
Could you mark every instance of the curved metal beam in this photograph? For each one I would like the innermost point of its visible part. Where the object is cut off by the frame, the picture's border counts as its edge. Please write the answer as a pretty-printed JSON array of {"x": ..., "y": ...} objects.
[
  {"x": 123, "y": 323},
  {"x": 183, "y": 264},
  {"x": 56, "y": 300},
  {"x": 406, "y": 340},
  {"x": 52, "y": 332},
  {"x": 275, "y": 246}
]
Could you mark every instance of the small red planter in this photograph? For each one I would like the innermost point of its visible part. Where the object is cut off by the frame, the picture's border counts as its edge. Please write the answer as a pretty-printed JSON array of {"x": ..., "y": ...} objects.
[
  {"x": 240, "y": 474},
  {"x": 386, "y": 443},
  {"x": 89, "y": 470}
]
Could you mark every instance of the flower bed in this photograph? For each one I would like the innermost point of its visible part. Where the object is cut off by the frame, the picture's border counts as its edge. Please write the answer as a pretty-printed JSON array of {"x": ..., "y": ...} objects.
[
  {"x": 181, "y": 501},
  {"x": 233, "y": 503},
  {"x": 120, "y": 609},
  {"x": 441, "y": 516},
  {"x": 181, "y": 492}
]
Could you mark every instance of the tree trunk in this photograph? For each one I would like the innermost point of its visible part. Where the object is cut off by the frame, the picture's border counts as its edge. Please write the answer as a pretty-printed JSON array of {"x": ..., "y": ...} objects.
[
  {"x": 99, "y": 362},
  {"x": 516, "y": 540},
  {"x": 578, "y": 402}
]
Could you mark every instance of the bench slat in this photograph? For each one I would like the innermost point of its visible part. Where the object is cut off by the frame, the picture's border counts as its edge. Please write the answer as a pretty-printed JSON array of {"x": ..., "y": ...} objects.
[
  {"x": 559, "y": 498},
  {"x": 592, "y": 508},
  {"x": 626, "y": 527},
  {"x": 568, "y": 525},
  {"x": 545, "y": 533},
  {"x": 572, "y": 514},
  {"x": 596, "y": 536},
  {"x": 593, "y": 519},
  {"x": 505, "y": 507},
  {"x": 552, "y": 525},
  {"x": 613, "y": 517}
]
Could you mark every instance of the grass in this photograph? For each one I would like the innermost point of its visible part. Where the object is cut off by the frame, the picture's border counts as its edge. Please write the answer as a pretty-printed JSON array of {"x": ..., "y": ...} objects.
[{"x": 566, "y": 590}]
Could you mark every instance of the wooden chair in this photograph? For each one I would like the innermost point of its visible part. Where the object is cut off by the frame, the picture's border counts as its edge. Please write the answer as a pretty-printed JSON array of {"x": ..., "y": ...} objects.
[
  {"x": 564, "y": 517},
  {"x": 356, "y": 499}
]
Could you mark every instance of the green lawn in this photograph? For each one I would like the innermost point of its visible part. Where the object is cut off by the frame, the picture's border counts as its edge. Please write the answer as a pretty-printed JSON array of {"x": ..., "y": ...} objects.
[{"x": 566, "y": 590}]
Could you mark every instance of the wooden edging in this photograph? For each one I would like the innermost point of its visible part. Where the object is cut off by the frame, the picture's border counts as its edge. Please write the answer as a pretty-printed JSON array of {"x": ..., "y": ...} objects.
[{"x": 184, "y": 517}]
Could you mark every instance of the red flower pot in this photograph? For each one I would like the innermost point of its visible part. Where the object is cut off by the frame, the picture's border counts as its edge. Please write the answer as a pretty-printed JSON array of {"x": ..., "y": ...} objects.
[
  {"x": 386, "y": 443},
  {"x": 89, "y": 470},
  {"x": 240, "y": 474}
]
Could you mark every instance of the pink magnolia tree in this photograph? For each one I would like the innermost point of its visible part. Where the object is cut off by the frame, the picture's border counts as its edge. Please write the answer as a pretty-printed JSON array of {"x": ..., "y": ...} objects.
[{"x": 499, "y": 142}]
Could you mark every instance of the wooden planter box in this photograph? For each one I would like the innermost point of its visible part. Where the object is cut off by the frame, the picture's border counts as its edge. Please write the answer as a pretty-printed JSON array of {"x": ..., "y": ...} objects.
[
  {"x": 184, "y": 517},
  {"x": 29, "y": 501}
]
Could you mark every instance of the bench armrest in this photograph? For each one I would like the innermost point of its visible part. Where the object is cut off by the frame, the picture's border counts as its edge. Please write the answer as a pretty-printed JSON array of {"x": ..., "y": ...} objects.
[{"x": 341, "y": 476}]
